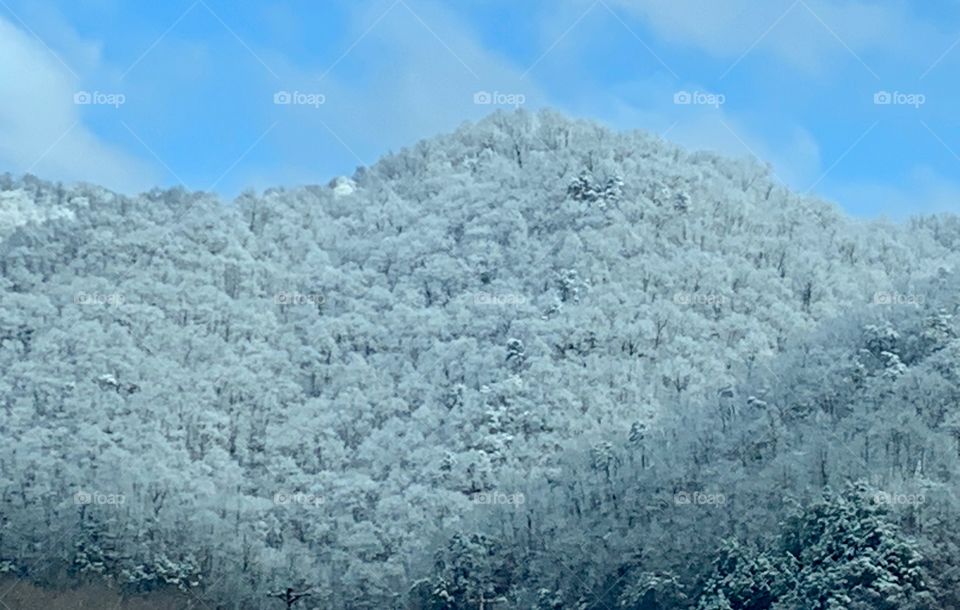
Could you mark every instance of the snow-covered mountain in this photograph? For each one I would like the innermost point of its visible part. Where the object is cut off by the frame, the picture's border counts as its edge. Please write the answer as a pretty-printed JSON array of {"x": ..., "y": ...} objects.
[
  {"x": 18, "y": 208},
  {"x": 534, "y": 328}
]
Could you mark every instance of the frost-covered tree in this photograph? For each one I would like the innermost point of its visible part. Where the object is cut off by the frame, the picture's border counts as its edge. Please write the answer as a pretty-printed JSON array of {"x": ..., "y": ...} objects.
[{"x": 315, "y": 385}]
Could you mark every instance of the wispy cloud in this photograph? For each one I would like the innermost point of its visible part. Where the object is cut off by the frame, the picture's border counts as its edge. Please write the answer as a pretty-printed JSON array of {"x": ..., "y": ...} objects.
[
  {"x": 802, "y": 33},
  {"x": 42, "y": 128},
  {"x": 921, "y": 191}
]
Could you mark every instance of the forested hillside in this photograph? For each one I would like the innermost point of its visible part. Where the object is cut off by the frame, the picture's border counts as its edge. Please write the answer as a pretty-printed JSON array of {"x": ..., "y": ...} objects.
[{"x": 534, "y": 361}]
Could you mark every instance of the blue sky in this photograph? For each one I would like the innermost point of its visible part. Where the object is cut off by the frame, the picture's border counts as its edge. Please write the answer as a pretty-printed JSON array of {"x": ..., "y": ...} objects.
[{"x": 184, "y": 91}]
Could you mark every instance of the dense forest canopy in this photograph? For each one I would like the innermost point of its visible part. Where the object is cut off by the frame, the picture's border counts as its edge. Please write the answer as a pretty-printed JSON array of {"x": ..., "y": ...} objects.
[{"x": 533, "y": 361}]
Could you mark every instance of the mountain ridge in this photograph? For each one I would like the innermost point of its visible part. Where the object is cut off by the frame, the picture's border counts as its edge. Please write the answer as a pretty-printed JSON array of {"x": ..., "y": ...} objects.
[{"x": 483, "y": 305}]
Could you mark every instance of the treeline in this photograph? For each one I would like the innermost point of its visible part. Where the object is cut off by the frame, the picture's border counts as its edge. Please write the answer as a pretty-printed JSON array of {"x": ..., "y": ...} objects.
[
  {"x": 525, "y": 360},
  {"x": 826, "y": 481}
]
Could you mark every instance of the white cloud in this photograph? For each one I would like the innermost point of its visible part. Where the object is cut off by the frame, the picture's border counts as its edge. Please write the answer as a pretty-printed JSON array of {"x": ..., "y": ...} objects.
[
  {"x": 432, "y": 89},
  {"x": 412, "y": 73},
  {"x": 792, "y": 151},
  {"x": 804, "y": 33},
  {"x": 922, "y": 191},
  {"x": 41, "y": 128},
  {"x": 794, "y": 157}
]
